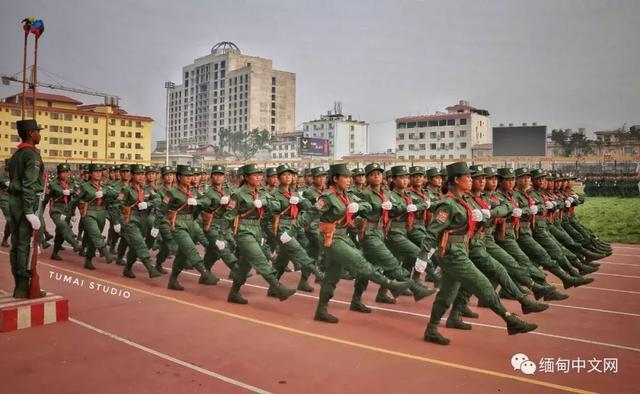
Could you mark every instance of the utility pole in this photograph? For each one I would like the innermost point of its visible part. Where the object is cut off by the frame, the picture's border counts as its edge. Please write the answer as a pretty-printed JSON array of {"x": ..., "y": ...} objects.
[{"x": 169, "y": 86}]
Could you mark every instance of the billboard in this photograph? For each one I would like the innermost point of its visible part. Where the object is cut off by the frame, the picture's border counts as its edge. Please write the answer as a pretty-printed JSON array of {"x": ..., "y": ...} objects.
[
  {"x": 520, "y": 141},
  {"x": 314, "y": 146}
]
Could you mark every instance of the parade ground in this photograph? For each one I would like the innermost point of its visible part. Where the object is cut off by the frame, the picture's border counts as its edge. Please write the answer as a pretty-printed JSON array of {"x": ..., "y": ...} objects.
[{"x": 135, "y": 336}]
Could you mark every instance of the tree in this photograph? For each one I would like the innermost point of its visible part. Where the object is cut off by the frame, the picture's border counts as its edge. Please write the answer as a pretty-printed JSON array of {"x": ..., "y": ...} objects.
[
  {"x": 580, "y": 144},
  {"x": 243, "y": 145}
]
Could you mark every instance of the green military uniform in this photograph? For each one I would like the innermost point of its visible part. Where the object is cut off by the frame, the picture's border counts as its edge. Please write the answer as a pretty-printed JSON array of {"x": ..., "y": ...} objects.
[
  {"x": 168, "y": 247},
  {"x": 136, "y": 201},
  {"x": 311, "y": 194},
  {"x": 62, "y": 206},
  {"x": 4, "y": 204},
  {"x": 336, "y": 210},
  {"x": 455, "y": 220}
]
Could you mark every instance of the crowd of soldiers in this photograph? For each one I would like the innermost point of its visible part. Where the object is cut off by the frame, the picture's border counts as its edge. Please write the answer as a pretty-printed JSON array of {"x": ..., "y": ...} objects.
[
  {"x": 459, "y": 230},
  {"x": 612, "y": 185}
]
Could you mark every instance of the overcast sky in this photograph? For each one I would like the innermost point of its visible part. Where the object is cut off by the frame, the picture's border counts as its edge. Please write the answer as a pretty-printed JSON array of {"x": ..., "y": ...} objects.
[{"x": 562, "y": 63}]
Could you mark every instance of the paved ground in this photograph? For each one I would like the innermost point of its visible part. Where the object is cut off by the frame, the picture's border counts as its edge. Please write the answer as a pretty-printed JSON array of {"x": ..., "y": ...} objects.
[{"x": 145, "y": 338}]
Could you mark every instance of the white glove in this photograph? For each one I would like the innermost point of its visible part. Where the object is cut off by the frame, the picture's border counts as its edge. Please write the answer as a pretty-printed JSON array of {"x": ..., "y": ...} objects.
[
  {"x": 517, "y": 212},
  {"x": 428, "y": 202},
  {"x": 420, "y": 265},
  {"x": 575, "y": 196},
  {"x": 476, "y": 215},
  {"x": 63, "y": 217},
  {"x": 432, "y": 251},
  {"x": 570, "y": 199},
  {"x": 74, "y": 219},
  {"x": 294, "y": 200},
  {"x": 285, "y": 238},
  {"x": 192, "y": 201},
  {"x": 534, "y": 209},
  {"x": 549, "y": 205},
  {"x": 99, "y": 194},
  {"x": 412, "y": 208},
  {"x": 257, "y": 203},
  {"x": 353, "y": 207},
  {"x": 220, "y": 244},
  {"x": 386, "y": 205},
  {"x": 6, "y": 183},
  {"x": 116, "y": 228},
  {"x": 142, "y": 206},
  {"x": 224, "y": 200},
  {"x": 567, "y": 203},
  {"x": 34, "y": 221},
  {"x": 154, "y": 232},
  {"x": 66, "y": 192},
  {"x": 486, "y": 213},
  {"x": 301, "y": 194}
]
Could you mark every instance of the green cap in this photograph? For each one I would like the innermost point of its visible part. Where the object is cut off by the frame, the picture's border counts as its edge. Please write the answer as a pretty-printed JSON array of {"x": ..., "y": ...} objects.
[
  {"x": 387, "y": 173},
  {"x": 63, "y": 167},
  {"x": 476, "y": 170},
  {"x": 84, "y": 167},
  {"x": 27, "y": 125},
  {"x": 416, "y": 170},
  {"x": 506, "y": 173},
  {"x": 248, "y": 169},
  {"x": 217, "y": 169},
  {"x": 271, "y": 171},
  {"x": 307, "y": 172},
  {"x": 339, "y": 169},
  {"x": 538, "y": 173},
  {"x": 138, "y": 169},
  {"x": 357, "y": 171},
  {"x": 124, "y": 167},
  {"x": 457, "y": 169},
  {"x": 167, "y": 170},
  {"x": 112, "y": 167},
  {"x": 184, "y": 169},
  {"x": 433, "y": 172},
  {"x": 373, "y": 167},
  {"x": 522, "y": 171},
  {"x": 399, "y": 171},
  {"x": 443, "y": 172},
  {"x": 318, "y": 171},
  {"x": 95, "y": 167},
  {"x": 151, "y": 169},
  {"x": 284, "y": 168},
  {"x": 490, "y": 171}
]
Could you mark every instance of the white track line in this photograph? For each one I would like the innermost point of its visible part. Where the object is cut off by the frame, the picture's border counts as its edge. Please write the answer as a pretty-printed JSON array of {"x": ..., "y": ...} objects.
[
  {"x": 618, "y": 275},
  {"x": 611, "y": 262},
  {"x": 170, "y": 358}
]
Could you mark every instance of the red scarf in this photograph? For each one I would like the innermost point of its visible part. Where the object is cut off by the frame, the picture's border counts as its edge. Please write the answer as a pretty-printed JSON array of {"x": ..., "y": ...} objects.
[
  {"x": 348, "y": 216},
  {"x": 140, "y": 193},
  {"x": 425, "y": 213},
  {"x": 255, "y": 197},
  {"x": 26, "y": 145},
  {"x": 470, "y": 222},
  {"x": 294, "y": 208},
  {"x": 410, "y": 215},
  {"x": 385, "y": 213},
  {"x": 98, "y": 188},
  {"x": 516, "y": 221}
]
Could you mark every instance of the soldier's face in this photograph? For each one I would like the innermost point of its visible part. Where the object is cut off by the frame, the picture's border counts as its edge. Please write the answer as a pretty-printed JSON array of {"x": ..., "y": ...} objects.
[
  {"x": 341, "y": 181},
  {"x": 273, "y": 180},
  {"x": 491, "y": 183},
  {"x": 185, "y": 180},
  {"x": 168, "y": 178},
  {"x": 112, "y": 175},
  {"x": 125, "y": 175},
  {"x": 308, "y": 179},
  {"x": 320, "y": 180},
  {"x": 217, "y": 179},
  {"x": 524, "y": 182},
  {"x": 63, "y": 176},
  {"x": 436, "y": 181},
  {"x": 35, "y": 136},
  {"x": 479, "y": 183},
  {"x": 401, "y": 182},
  {"x": 96, "y": 175},
  {"x": 359, "y": 179},
  {"x": 463, "y": 182},
  {"x": 507, "y": 184},
  {"x": 138, "y": 177},
  {"x": 254, "y": 180},
  {"x": 151, "y": 176},
  {"x": 285, "y": 178},
  {"x": 417, "y": 180},
  {"x": 374, "y": 178}
]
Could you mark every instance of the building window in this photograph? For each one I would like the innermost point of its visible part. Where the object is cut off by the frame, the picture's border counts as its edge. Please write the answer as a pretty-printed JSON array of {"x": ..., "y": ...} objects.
[
  {"x": 451, "y": 122},
  {"x": 422, "y": 124},
  {"x": 463, "y": 133},
  {"x": 433, "y": 123},
  {"x": 433, "y": 135},
  {"x": 412, "y": 147},
  {"x": 463, "y": 122},
  {"x": 433, "y": 146},
  {"x": 401, "y": 125},
  {"x": 423, "y": 146},
  {"x": 401, "y": 147},
  {"x": 411, "y": 125},
  {"x": 463, "y": 145},
  {"x": 442, "y": 122},
  {"x": 450, "y": 145}
]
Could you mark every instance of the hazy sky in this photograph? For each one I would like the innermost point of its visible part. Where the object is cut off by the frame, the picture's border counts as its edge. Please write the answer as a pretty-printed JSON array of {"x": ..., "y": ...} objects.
[{"x": 562, "y": 63}]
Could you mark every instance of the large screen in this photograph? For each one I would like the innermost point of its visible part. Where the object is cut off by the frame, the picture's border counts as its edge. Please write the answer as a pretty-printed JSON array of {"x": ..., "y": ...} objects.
[{"x": 520, "y": 141}]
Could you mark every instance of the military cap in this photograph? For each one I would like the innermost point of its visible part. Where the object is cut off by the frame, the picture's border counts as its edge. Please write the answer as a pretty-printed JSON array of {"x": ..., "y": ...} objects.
[
  {"x": 167, "y": 170},
  {"x": 63, "y": 167},
  {"x": 387, "y": 173},
  {"x": 184, "y": 169},
  {"x": 151, "y": 169},
  {"x": 249, "y": 169},
  {"x": 373, "y": 167},
  {"x": 339, "y": 169},
  {"x": 457, "y": 169},
  {"x": 506, "y": 173},
  {"x": 416, "y": 170},
  {"x": 443, "y": 172},
  {"x": 27, "y": 125},
  {"x": 270, "y": 171},
  {"x": 112, "y": 167},
  {"x": 489, "y": 172},
  {"x": 357, "y": 171},
  {"x": 522, "y": 171},
  {"x": 399, "y": 171},
  {"x": 84, "y": 167},
  {"x": 217, "y": 169},
  {"x": 318, "y": 171},
  {"x": 124, "y": 167},
  {"x": 95, "y": 167},
  {"x": 307, "y": 172},
  {"x": 476, "y": 170},
  {"x": 284, "y": 168},
  {"x": 433, "y": 172},
  {"x": 138, "y": 168},
  {"x": 538, "y": 173}
]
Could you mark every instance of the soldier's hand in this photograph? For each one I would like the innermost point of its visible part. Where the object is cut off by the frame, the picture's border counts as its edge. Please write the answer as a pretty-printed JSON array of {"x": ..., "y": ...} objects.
[
  {"x": 224, "y": 200},
  {"x": 74, "y": 219},
  {"x": 486, "y": 213},
  {"x": 220, "y": 244},
  {"x": 386, "y": 205},
  {"x": 66, "y": 192},
  {"x": 154, "y": 232},
  {"x": 534, "y": 209},
  {"x": 116, "y": 228},
  {"x": 432, "y": 251},
  {"x": 294, "y": 200},
  {"x": 517, "y": 212},
  {"x": 567, "y": 203},
  {"x": 411, "y": 208},
  {"x": 420, "y": 265},
  {"x": 549, "y": 205},
  {"x": 428, "y": 202},
  {"x": 257, "y": 203},
  {"x": 34, "y": 221},
  {"x": 63, "y": 217},
  {"x": 142, "y": 206},
  {"x": 476, "y": 215},
  {"x": 353, "y": 207},
  {"x": 99, "y": 194},
  {"x": 285, "y": 238},
  {"x": 192, "y": 201}
]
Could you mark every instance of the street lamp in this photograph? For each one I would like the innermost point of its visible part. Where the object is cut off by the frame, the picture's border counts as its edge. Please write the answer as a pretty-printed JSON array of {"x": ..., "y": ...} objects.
[{"x": 169, "y": 86}]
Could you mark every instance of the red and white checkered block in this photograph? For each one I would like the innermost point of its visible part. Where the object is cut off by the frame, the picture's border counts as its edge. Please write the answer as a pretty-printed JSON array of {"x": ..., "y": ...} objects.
[{"x": 16, "y": 314}]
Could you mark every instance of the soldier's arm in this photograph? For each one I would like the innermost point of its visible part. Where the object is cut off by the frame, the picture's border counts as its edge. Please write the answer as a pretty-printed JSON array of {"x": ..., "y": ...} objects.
[
  {"x": 315, "y": 212},
  {"x": 440, "y": 222},
  {"x": 30, "y": 182}
]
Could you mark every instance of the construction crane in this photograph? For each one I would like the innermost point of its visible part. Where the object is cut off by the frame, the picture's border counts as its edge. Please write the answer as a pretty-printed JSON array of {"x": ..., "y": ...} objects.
[{"x": 109, "y": 99}]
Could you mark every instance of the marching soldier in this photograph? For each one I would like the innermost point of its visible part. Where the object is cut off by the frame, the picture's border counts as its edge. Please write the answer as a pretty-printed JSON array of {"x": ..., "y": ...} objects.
[
  {"x": 62, "y": 206},
  {"x": 168, "y": 246},
  {"x": 4, "y": 204}
]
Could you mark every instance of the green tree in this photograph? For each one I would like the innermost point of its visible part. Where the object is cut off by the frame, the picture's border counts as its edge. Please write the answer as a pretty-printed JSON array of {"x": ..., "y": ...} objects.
[{"x": 243, "y": 145}]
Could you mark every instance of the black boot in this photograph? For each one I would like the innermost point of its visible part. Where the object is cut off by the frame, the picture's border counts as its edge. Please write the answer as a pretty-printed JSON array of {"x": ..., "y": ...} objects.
[
  {"x": 556, "y": 296},
  {"x": 382, "y": 296},
  {"x": 540, "y": 291},
  {"x": 457, "y": 323},
  {"x": 88, "y": 264},
  {"x": 284, "y": 292},
  {"x": 323, "y": 315},
  {"x": 358, "y": 306},
  {"x": 515, "y": 325},
  {"x": 107, "y": 256},
  {"x": 22, "y": 287},
  {"x": 128, "y": 272},
  {"x": 530, "y": 306},
  {"x": 54, "y": 253},
  {"x": 161, "y": 269},
  {"x": 420, "y": 292},
  {"x": 466, "y": 312},
  {"x": 173, "y": 280},
  {"x": 234, "y": 296},
  {"x": 206, "y": 277},
  {"x": 397, "y": 288},
  {"x": 303, "y": 285},
  {"x": 431, "y": 334}
]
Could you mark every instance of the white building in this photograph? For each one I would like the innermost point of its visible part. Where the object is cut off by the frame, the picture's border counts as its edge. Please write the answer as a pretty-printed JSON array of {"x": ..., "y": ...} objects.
[
  {"x": 346, "y": 135},
  {"x": 449, "y": 135},
  {"x": 229, "y": 90}
]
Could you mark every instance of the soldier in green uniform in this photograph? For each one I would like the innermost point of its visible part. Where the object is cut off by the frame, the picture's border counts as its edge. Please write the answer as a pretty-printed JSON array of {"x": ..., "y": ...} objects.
[
  {"x": 4, "y": 204},
  {"x": 311, "y": 194},
  {"x": 434, "y": 185},
  {"x": 92, "y": 206},
  {"x": 151, "y": 181},
  {"x": 26, "y": 172},
  {"x": 359, "y": 182},
  {"x": 112, "y": 236},
  {"x": 281, "y": 224},
  {"x": 336, "y": 210},
  {"x": 246, "y": 210},
  {"x": 453, "y": 222},
  {"x": 135, "y": 202},
  {"x": 180, "y": 206},
  {"x": 115, "y": 189},
  {"x": 62, "y": 206},
  {"x": 272, "y": 178},
  {"x": 168, "y": 247}
]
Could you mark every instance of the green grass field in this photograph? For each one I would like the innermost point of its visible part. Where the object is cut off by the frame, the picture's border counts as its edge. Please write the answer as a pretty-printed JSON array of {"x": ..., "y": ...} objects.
[{"x": 613, "y": 219}]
